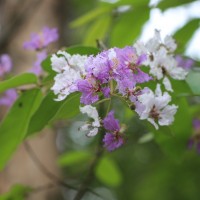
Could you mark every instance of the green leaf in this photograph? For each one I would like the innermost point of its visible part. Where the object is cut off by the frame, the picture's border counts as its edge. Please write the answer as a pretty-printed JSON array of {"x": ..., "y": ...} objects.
[
  {"x": 183, "y": 35},
  {"x": 146, "y": 138},
  {"x": 173, "y": 140},
  {"x": 90, "y": 16},
  {"x": 82, "y": 50},
  {"x": 17, "y": 192},
  {"x": 19, "y": 80},
  {"x": 44, "y": 113},
  {"x": 46, "y": 65},
  {"x": 108, "y": 172},
  {"x": 165, "y": 4},
  {"x": 74, "y": 158},
  {"x": 129, "y": 26},
  {"x": 14, "y": 126},
  {"x": 50, "y": 110},
  {"x": 69, "y": 108},
  {"x": 132, "y": 2},
  {"x": 97, "y": 30},
  {"x": 193, "y": 80}
]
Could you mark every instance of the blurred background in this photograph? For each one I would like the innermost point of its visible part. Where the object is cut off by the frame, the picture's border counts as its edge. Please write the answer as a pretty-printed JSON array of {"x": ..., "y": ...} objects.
[{"x": 145, "y": 168}]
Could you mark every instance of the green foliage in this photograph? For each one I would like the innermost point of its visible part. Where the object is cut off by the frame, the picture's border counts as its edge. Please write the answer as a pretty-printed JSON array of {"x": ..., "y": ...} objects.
[
  {"x": 14, "y": 126},
  {"x": 193, "y": 80},
  {"x": 166, "y": 4},
  {"x": 19, "y": 80},
  {"x": 74, "y": 158},
  {"x": 108, "y": 172},
  {"x": 69, "y": 108},
  {"x": 182, "y": 36},
  {"x": 98, "y": 30},
  {"x": 90, "y": 16},
  {"x": 128, "y": 26},
  {"x": 17, "y": 192},
  {"x": 50, "y": 109},
  {"x": 82, "y": 50}
]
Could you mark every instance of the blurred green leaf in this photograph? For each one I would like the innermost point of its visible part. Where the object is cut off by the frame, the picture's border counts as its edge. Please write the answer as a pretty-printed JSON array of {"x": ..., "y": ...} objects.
[
  {"x": 165, "y": 4},
  {"x": 184, "y": 34},
  {"x": 108, "y": 172},
  {"x": 128, "y": 27},
  {"x": 74, "y": 158},
  {"x": 146, "y": 138},
  {"x": 46, "y": 65},
  {"x": 19, "y": 80},
  {"x": 14, "y": 126},
  {"x": 132, "y": 2},
  {"x": 69, "y": 108},
  {"x": 193, "y": 80},
  {"x": 44, "y": 113},
  {"x": 49, "y": 109},
  {"x": 97, "y": 30},
  {"x": 17, "y": 192},
  {"x": 82, "y": 50},
  {"x": 90, "y": 16}
]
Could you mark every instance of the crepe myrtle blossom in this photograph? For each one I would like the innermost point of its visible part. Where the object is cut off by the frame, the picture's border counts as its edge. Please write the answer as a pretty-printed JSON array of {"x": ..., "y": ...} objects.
[
  {"x": 90, "y": 127},
  {"x": 70, "y": 69},
  {"x": 41, "y": 40},
  {"x": 8, "y": 97},
  {"x": 161, "y": 60},
  {"x": 194, "y": 141},
  {"x": 114, "y": 137},
  {"x": 5, "y": 64},
  {"x": 120, "y": 65},
  {"x": 154, "y": 107},
  {"x": 125, "y": 64}
]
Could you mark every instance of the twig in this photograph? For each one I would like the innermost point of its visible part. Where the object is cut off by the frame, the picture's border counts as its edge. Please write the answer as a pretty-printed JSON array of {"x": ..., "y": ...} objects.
[
  {"x": 44, "y": 170},
  {"x": 50, "y": 175},
  {"x": 90, "y": 176}
]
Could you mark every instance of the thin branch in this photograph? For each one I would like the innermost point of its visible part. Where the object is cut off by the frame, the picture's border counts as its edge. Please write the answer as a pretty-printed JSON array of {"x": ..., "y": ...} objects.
[
  {"x": 50, "y": 175},
  {"x": 90, "y": 176},
  {"x": 43, "y": 169}
]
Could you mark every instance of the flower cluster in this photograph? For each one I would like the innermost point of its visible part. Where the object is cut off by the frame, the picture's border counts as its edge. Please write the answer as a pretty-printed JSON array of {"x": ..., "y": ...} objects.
[
  {"x": 114, "y": 137},
  {"x": 121, "y": 72}
]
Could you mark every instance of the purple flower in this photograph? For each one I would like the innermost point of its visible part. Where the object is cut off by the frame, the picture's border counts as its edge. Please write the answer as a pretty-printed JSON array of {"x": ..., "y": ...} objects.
[
  {"x": 112, "y": 142},
  {"x": 110, "y": 123},
  {"x": 184, "y": 63},
  {"x": 5, "y": 64},
  {"x": 43, "y": 39},
  {"x": 37, "y": 69},
  {"x": 99, "y": 67},
  {"x": 88, "y": 90},
  {"x": 113, "y": 139},
  {"x": 128, "y": 70},
  {"x": 8, "y": 98}
]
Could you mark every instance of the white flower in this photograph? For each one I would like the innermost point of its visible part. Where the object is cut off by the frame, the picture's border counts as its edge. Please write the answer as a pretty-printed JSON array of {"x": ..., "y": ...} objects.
[
  {"x": 155, "y": 108},
  {"x": 65, "y": 83},
  {"x": 92, "y": 127},
  {"x": 70, "y": 69},
  {"x": 167, "y": 84},
  {"x": 161, "y": 60}
]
